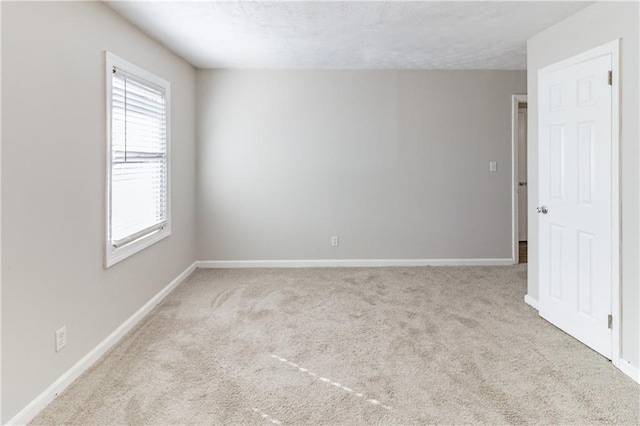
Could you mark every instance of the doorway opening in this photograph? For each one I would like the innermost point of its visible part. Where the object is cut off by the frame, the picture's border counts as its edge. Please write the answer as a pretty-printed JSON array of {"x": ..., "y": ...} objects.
[{"x": 519, "y": 178}]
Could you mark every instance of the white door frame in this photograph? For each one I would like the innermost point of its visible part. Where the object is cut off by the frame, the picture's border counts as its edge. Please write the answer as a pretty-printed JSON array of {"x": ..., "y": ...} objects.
[
  {"x": 515, "y": 250},
  {"x": 612, "y": 48}
]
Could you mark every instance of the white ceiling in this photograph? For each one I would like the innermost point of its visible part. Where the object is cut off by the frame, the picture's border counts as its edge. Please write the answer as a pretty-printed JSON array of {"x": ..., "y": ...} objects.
[{"x": 343, "y": 34}]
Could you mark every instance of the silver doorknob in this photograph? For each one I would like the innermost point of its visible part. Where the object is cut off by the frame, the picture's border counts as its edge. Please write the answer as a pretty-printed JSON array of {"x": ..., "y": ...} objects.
[{"x": 543, "y": 209}]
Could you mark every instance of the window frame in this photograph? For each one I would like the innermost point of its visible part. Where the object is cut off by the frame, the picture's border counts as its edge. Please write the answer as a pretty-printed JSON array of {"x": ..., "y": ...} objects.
[{"x": 114, "y": 255}]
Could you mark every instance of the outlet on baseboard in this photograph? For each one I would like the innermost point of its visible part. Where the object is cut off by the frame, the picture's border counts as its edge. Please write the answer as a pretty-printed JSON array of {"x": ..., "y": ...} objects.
[
  {"x": 61, "y": 338},
  {"x": 335, "y": 241}
]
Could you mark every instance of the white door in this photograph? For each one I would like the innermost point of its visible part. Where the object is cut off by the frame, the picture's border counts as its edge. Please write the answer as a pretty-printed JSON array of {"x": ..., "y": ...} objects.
[
  {"x": 575, "y": 184},
  {"x": 522, "y": 174}
]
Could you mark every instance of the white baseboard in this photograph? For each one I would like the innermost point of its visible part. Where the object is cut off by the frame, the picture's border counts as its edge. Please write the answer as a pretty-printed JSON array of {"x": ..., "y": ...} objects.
[
  {"x": 630, "y": 370},
  {"x": 531, "y": 302},
  {"x": 41, "y": 401},
  {"x": 350, "y": 263}
]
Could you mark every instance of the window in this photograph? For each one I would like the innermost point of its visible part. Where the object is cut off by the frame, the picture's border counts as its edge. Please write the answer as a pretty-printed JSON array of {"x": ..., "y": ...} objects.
[{"x": 138, "y": 202}]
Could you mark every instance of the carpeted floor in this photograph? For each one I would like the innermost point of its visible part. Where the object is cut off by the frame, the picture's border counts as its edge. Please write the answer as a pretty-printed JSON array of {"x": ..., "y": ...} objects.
[{"x": 349, "y": 346}]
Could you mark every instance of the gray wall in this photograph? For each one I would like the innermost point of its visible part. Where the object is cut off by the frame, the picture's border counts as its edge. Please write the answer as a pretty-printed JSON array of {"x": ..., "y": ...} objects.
[
  {"x": 589, "y": 28},
  {"x": 394, "y": 162},
  {"x": 53, "y": 177}
]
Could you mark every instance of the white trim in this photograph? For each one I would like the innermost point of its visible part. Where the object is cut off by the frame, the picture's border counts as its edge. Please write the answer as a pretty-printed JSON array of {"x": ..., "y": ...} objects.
[
  {"x": 32, "y": 409},
  {"x": 629, "y": 369},
  {"x": 0, "y": 226},
  {"x": 515, "y": 100},
  {"x": 115, "y": 255},
  {"x": 616, "y": 247},
  {"x": 350, "y": 263},
  {"x": 531, "y": 301}
]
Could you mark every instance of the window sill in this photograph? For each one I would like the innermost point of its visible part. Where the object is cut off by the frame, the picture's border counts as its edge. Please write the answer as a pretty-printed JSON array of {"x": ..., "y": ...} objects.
[{"x": 114, "y": 256}]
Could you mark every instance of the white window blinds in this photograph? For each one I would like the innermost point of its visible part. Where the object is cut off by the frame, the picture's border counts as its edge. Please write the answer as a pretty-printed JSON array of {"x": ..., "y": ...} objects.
[{"x": 138, "y": 187}]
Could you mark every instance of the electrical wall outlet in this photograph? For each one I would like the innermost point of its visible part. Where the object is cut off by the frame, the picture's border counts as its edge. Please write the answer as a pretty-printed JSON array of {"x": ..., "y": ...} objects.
[
  {"x": 61, "y": 338},
  {"x": 493, "y": 166},
  {"x": 335, "y": 241}
]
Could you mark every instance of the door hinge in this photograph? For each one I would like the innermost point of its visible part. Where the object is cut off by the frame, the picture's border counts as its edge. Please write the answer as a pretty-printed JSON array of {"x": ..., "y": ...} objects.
[
  {"x": 610, "y": 78},
  {"x": 609, "y": 321}
]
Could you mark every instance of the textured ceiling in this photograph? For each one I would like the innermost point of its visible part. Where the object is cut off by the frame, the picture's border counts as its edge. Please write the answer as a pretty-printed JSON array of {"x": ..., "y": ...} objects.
[{"x": 352, "y": 35}]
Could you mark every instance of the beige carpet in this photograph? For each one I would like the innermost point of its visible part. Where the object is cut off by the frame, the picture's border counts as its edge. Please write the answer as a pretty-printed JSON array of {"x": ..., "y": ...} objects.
[{"x": 349, "y": 346}]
